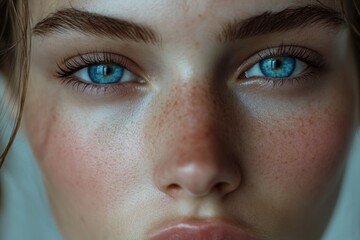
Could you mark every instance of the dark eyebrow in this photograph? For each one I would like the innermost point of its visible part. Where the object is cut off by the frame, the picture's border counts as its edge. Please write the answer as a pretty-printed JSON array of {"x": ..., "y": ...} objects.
[
  {"x": 86, "y": 22},
  {"x": 287, "y": 19}
]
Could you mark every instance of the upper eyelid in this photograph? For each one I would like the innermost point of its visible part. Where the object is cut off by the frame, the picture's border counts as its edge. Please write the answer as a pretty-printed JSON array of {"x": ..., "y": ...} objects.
[
  {"x": 313, "y": 58},
  {"x": 96, "y": 55},
  {"x": 82, "y": 60},
  {"x": 282, "y": 50}
]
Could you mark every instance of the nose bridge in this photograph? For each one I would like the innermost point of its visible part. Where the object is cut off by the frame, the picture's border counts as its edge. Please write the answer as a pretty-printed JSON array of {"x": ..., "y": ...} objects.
[
  {"x": 188, "y": 119},
  {"x": 192, "y": 160},
  {"x": 194, "y": 108}
]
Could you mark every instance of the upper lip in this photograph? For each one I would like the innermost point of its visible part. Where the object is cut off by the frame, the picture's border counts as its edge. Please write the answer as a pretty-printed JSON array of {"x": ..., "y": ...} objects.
[{"x": 201, "y": 230}]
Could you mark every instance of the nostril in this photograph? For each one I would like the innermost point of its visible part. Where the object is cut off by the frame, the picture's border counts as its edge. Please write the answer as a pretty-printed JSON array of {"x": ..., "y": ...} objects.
[
  {"x": 173, "y": 188},
  {"x": 197, "y": 176},
  {"x": 220, "y": 186}
]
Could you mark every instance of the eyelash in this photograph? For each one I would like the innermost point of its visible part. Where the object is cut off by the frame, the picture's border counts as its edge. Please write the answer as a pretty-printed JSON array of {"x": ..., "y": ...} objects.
[
  {"x": 314, "y": 61},
  {"x": 70, "y": 66}
]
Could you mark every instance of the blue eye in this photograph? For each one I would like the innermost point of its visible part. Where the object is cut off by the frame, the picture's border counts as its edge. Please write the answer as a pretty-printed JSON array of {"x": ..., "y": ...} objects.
[
  {"x": 105, "y": 74},
  {"x": 277, "y": 67}
]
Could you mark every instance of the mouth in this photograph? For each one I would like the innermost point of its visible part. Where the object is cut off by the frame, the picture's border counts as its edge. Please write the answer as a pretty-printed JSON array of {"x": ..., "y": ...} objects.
[{"x": 201, "y": 230}]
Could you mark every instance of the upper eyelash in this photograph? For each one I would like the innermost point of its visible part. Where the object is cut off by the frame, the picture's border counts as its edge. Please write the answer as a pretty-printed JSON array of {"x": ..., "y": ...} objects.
[
  {"x": 71, "y": 65},
  {"x": 316, "y": 63},
  {"x": 284, "y": 50}
]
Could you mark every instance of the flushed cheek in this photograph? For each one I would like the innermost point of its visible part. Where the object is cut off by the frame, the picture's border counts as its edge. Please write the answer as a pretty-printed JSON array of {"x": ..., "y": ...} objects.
[
  {"x": 292, "y": 152},
  {"x": 298, "y": 160},
  {"x": 308, "y": 150},
  {"x": 91, "y": 165}
]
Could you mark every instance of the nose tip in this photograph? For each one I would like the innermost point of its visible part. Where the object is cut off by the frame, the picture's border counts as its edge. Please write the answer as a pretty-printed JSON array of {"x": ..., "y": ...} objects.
[
  {"x": 198, "y": 177},
  {"x": 200, "y": 180}
]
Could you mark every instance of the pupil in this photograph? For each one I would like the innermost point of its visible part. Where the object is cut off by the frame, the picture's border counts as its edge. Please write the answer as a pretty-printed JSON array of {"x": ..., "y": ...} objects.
[
  {"x": 276, "y": 64},
  {"x": 107, "y": 70}
]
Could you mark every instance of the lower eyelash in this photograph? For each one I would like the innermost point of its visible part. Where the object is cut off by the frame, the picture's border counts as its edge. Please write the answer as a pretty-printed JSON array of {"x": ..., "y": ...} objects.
[
  {"x": 81, "y": 86},
  {"x": 71, "y": 65},
  {"x": 311, "y": 74},
  {"x": 315, "y": 62}
]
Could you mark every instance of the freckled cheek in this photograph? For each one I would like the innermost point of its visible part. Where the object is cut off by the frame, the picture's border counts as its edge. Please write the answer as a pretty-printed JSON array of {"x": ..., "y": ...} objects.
[
  {"x": 307, "y": 155},
  {"x": 87, "y": 168}
]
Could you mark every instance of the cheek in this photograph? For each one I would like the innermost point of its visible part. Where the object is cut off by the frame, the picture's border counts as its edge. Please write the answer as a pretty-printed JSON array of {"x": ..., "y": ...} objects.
[
  {"x": 308, "y": 150},
  {"x": 292, "y": 152},
  {"x": 91, "y": 165},
  {"x": 297, "y": 158}
]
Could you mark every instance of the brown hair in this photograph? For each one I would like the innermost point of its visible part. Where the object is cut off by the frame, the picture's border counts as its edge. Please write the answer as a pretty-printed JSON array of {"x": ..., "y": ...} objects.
[
  {"x": 15, "y": 48},
  {"x": 14, "y": 52},
  {"x": 351, "y": 11}
]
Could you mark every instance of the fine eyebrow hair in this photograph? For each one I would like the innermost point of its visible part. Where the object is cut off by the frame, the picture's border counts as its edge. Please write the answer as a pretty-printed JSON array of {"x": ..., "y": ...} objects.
[
  {"x": 267, "y": 22},
  {"x": 285, "y": 20},
  {"x": 92, "y": 23}
]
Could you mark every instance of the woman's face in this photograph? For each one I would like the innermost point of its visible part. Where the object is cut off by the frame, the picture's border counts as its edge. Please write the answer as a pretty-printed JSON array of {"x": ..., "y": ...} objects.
[{"x": 189, "y": 117}]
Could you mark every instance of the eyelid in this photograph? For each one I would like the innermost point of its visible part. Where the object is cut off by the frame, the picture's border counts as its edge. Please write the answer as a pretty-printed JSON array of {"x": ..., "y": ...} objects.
[
  {"x": 69, "y": 66},
  {"x": 308, "y": 56},
  {"x": 72, "y": 64}
]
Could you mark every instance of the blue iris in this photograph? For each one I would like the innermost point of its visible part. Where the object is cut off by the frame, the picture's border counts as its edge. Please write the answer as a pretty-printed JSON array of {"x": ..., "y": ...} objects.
[
  {"x": 105, "y": 73},
  {"x": 279, "y": 67}
]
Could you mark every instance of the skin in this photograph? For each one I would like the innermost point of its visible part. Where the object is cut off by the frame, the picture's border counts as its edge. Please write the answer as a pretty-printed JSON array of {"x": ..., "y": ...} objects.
[{"x": 191, "y": 143}]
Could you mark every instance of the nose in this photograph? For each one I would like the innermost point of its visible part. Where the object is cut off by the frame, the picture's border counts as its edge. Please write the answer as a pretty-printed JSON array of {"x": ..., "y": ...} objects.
[
  {"x": 194, "y": 160},
  {"x": 196, "y": 173}
]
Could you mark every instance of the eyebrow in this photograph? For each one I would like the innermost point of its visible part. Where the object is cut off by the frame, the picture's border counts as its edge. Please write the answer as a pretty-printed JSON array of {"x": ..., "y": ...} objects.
[
  {"x": 92, "y": 23},
  {"x": 267, "y": 22},
  {"x": 285, "y": 20}
]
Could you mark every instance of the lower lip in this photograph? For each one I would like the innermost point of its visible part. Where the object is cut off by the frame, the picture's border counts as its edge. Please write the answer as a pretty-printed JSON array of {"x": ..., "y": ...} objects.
[{"x": 216, "y": 230}]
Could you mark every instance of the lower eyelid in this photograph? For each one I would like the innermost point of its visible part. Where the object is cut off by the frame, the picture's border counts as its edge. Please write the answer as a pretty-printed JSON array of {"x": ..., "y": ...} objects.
[
  {"x": 307, "y": 56},
  {"x": 284, "y": 84},
  {"x": 96, "y": 90},
  {"x": 301, "y": 66},
  {"x": 71, "y": 65},
  {"x": 83, "y": 75}
]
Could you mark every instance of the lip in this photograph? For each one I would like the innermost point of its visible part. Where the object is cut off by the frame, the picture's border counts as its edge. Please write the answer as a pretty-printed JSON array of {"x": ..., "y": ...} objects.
[{"x": 201, "y": 230}]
